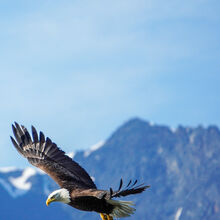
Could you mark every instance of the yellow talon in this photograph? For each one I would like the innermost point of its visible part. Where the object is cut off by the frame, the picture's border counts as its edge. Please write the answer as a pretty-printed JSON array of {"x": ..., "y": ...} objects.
[
  {"x": 109, "y": 217},
  {"x": 103, "y": 216},
  {"x": 106, "y": 217}
]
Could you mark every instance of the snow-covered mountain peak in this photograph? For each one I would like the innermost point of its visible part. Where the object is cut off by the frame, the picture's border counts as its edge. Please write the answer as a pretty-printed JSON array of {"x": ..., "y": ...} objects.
[{"x": 21, "y": 182}]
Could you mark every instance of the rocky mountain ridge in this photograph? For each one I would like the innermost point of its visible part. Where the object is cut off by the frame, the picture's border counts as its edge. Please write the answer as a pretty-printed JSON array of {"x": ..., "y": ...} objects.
[{"x": 182, "y": 166}]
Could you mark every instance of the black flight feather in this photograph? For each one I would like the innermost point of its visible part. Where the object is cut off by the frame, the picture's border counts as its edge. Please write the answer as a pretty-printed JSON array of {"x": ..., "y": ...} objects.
[
  {"x": 128, "y": 183},
  {"x": 42, "y": 138},
  {"x": 129, "y": 190},
  {"x": 120, "y": 185},
  {"x": 34, "y": 134}
]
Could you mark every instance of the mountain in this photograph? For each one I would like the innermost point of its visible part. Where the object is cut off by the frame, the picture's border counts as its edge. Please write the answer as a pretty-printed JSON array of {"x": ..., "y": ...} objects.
[{"x": 182, "y": 166}]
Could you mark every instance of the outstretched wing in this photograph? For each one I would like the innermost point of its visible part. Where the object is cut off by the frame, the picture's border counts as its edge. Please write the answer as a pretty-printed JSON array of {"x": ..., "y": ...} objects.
[{"x": 45, "y": 154}]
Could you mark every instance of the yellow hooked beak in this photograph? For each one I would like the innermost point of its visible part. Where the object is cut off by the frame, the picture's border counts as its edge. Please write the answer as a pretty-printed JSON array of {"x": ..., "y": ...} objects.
[{"x": 49, "y": 200}]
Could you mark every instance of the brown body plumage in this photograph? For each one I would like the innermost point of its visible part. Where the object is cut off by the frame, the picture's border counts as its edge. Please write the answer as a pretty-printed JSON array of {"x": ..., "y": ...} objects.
[{"x": 77, "y": 188}]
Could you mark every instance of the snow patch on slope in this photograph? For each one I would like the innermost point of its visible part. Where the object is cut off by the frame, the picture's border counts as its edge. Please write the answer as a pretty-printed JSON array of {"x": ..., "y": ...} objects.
[
  {"x": 7, "y": 169},
  {"x": 178, "y": 213},
  {"x": 93, "y": 148},
  {"x": 71, "y": 154},
  {"x": 172, "y": 165},
  {"x": 17, "y": 186},
  {"x": 173, "y": 129},
  {"x": 21, "y": 182},
  {"x": 13, "y": 192},
  {"x": 151, "y": 123},
  {"x": 192, "y": 138}
]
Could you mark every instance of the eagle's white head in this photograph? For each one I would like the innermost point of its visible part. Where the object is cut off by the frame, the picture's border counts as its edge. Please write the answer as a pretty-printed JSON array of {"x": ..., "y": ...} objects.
[{"x": 60, "y": 195}]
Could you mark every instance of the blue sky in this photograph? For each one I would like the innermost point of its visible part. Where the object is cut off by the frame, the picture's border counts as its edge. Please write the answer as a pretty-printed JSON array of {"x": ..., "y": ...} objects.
[{"x": 79, "y": 69}]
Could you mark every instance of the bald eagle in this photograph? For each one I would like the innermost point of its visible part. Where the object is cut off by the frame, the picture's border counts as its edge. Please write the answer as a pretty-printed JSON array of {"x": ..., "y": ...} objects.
[{"x": 76, "y": 187}]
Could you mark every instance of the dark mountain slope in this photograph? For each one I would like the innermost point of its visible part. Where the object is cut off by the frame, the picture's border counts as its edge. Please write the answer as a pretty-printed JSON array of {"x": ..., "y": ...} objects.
[{"x": 182, "y": 167}]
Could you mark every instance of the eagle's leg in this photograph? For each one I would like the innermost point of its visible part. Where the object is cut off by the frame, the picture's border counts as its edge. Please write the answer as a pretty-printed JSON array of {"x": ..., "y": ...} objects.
[
  {"x": 103, "y": 216},
  {"x": 109, "y": 217}
]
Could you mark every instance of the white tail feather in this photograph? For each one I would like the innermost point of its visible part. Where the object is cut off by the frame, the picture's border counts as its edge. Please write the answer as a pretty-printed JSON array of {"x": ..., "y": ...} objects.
[{"x": 121, "y": 208}]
